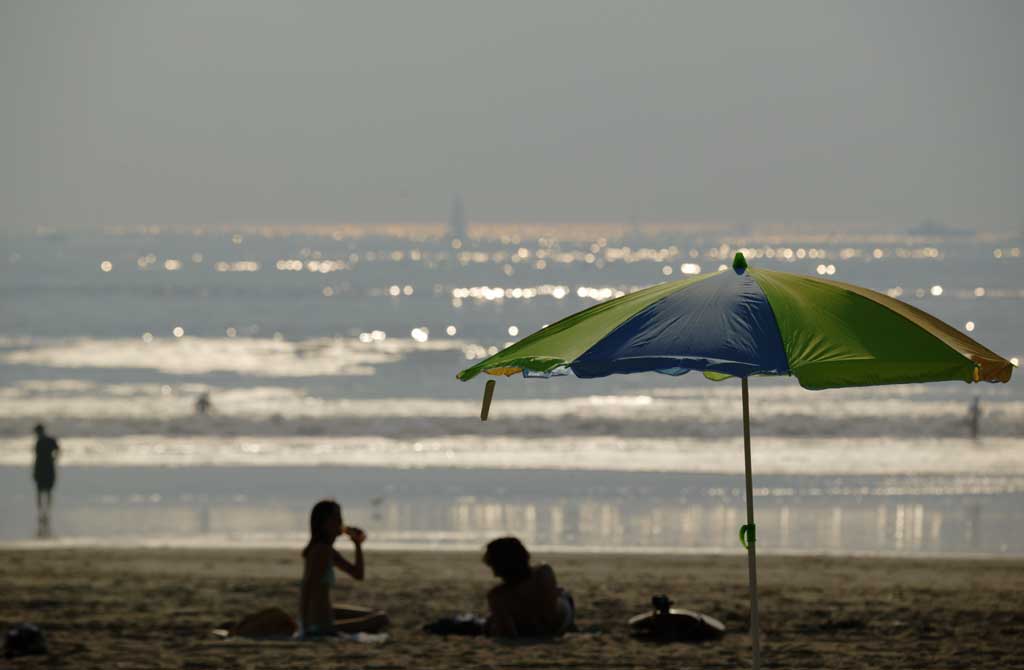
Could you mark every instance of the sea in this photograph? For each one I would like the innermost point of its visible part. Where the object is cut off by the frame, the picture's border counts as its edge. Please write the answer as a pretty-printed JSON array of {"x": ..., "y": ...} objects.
[{"x": 328, "y": 354}]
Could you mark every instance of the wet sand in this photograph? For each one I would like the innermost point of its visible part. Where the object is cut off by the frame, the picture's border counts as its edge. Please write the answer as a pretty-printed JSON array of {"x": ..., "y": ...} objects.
[{"x": 154, "y": 608}]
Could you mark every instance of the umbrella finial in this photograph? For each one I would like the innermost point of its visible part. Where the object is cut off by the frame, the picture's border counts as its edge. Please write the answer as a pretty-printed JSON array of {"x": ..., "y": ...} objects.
[{"x": 739, "y": 263}]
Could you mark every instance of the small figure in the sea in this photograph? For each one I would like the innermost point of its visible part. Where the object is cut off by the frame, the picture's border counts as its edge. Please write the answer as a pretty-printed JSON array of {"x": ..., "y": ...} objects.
[
  {"x": 203, "y": 403},
  {"x": 974, "y": 417},
  {"x": 528, "y": 602},
  {"x": 44, "y": 472},
  {"x": 316, "y": 614}
]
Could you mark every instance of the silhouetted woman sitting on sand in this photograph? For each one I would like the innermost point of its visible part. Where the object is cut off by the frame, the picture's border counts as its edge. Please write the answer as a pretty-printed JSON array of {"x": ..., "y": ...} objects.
[
  {"x": 528, "y": 602},
  {"x": 317, "y": 616}
]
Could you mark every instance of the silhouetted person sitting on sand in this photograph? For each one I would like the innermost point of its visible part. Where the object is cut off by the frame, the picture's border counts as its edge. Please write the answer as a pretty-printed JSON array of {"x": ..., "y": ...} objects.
[
  {"x": 528, "y": 602},
  {"x": 44, "y": 472},
  {"x": 317, "y": 615}
]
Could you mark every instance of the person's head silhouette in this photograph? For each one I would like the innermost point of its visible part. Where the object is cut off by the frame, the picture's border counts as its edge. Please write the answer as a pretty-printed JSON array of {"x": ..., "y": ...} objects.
[{"x": 509, "y": 559}]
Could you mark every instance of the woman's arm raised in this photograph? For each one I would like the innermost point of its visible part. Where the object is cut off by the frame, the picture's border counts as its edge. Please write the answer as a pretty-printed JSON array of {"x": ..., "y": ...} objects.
[{"x": 358, "y": 570}]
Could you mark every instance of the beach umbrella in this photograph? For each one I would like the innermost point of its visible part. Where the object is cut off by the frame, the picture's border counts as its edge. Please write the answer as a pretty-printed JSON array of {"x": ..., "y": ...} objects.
[{"x": 740, "y": 322}]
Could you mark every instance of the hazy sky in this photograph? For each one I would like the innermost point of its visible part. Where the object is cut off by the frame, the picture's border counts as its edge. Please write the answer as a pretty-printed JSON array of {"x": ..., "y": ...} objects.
[{"x": 577, "y": 110}]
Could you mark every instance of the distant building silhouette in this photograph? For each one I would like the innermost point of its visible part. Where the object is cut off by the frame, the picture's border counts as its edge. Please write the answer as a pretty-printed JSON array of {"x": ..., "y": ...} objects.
[{"x": 457, "y": 229}]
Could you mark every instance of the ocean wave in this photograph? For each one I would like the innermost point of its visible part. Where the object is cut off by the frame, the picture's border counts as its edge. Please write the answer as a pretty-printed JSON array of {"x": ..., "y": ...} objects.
[
  {"x": 264, "y": 357},
  {"x": 770, "y": 455},
  {"x": 91, "y": 409}
]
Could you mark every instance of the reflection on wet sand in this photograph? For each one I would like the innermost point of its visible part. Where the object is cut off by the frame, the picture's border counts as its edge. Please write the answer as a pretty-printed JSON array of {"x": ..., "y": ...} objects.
[{"x": 838, "y": 526}]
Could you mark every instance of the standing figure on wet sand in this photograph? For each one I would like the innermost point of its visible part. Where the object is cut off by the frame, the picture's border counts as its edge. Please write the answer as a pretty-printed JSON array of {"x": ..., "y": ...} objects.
[{"x": 44, "y": 472}]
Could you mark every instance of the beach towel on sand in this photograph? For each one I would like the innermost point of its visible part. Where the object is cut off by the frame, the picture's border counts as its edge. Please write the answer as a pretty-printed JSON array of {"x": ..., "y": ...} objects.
[
  {"x": 460, "y": 624},
  {"x": 274, "y": 623},
  {"x": 340, "y": 638}
]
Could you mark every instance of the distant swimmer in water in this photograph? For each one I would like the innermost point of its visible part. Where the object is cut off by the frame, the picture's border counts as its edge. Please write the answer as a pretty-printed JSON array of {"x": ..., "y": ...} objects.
[
  {"x": 974, "y": 417},
  {"x": 44, "y": 472},
  {"x": 203, "y": 403}
]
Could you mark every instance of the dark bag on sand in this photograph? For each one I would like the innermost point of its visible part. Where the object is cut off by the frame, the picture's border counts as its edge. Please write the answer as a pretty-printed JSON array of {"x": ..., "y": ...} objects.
[
  {"x": 23, "y": 640},
  {"x": 666, "y": 624},
  {"x": 460, "y": 624},
  {"x": 271, "y": 622}
]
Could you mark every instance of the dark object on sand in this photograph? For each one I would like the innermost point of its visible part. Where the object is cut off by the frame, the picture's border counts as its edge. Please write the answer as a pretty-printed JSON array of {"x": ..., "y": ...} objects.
[
  {"x": 24, "y": 639},
  {"x": 666, "y": 624},
  {"x": 272, "y": 622},
  {"x": 460, "y": 624}
]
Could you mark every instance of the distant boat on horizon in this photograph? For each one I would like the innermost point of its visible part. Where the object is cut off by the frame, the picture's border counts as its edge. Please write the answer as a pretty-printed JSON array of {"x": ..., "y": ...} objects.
[{"x": 932, "y": 228}]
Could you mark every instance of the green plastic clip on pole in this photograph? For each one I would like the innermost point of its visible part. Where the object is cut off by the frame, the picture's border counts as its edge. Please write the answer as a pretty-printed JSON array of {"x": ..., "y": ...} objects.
[
  {"x": 488, "y": 394},
  {"x": 748, "y": 535}
]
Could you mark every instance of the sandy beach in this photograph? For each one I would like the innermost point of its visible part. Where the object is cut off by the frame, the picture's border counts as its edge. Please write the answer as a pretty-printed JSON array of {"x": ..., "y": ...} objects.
[{"x": 154, "y": 608}]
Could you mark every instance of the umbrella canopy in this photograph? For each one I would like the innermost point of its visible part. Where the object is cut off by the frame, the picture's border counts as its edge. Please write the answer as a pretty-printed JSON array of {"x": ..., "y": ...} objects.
[
  {"x": 744, "y": 321},
  {"x": 741, "y": 322}
]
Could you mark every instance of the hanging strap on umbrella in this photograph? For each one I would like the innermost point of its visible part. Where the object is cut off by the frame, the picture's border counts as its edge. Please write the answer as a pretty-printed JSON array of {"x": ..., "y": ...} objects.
[
  {"x": 748, "y": 535},
  {"x": 488, "y": 394}
]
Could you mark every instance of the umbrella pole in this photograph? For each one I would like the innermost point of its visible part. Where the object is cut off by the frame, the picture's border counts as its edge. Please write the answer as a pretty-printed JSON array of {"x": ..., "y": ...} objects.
[{"x": 751, "y": 534}]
